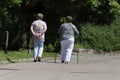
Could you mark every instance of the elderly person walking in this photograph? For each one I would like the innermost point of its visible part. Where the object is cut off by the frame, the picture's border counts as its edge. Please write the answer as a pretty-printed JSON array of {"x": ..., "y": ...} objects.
[
  {"x": 67, "y": 33},
  {"x": 38, "y": 29}
]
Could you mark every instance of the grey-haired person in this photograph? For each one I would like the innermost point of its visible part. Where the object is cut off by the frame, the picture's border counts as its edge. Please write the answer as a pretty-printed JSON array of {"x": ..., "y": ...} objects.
[
  {"x": 38, "y": 29},
  {"x": 67, "y": 33}
]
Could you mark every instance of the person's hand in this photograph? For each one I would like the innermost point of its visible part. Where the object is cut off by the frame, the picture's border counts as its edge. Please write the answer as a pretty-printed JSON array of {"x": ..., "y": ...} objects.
[
  {"x": 40, "y": 34},
  {"x": 36, "y": 35}
]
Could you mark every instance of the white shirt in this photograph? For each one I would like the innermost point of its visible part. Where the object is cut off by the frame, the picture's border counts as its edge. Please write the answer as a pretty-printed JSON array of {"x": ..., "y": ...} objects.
[{"x": 38, "y": 26}]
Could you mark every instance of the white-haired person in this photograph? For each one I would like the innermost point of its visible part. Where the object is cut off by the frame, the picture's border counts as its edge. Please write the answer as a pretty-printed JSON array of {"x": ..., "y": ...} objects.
[
  {"x": 38, "y": 29},
  {"x": 67, "y": 33}
]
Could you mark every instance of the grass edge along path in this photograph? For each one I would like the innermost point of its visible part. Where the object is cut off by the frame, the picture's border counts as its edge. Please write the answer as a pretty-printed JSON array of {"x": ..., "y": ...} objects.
[{"x": 21, "y": 56}]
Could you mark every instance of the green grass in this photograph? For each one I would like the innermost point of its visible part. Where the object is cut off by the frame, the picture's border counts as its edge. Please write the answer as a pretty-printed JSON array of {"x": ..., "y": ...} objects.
[
  {"x": 76, "y": 45},
  {"x": 22, "y": 55},
  {"x": 14, "y": 55}
]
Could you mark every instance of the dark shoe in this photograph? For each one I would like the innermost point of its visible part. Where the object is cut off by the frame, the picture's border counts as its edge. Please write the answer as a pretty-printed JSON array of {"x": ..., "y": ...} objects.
[
  {"x": 66, "y": 62},
  {"x": 62, "y": 61},
  {"x": 35, "y": 61},
  {"x": 39, "y": 59}
]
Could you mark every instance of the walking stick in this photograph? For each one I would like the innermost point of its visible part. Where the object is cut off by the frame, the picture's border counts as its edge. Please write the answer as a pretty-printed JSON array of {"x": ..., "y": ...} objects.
[{"x": 77, "y": 50}]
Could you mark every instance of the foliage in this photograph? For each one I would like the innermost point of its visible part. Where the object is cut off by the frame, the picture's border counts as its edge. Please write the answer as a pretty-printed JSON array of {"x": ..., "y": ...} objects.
[
  {"x": 104, "y": 11},
  {"x": 9, "y": 12},
  {"x": 49, "y": 48},
  {"x": 105, "y": 38},
  {"x": 53, "y": 47},
  {"x": 16, "y": 17}
]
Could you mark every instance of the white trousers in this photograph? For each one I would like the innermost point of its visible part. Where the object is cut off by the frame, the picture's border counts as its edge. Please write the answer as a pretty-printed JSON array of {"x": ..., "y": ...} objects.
[{"x": 66, "y": 49}]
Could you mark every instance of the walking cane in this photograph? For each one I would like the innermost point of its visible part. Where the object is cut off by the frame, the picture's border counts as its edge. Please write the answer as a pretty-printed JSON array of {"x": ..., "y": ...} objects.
[{"x": 77, "y": 49}]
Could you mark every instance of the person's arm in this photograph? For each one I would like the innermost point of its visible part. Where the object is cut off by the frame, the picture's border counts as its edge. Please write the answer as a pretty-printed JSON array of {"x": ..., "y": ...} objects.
[
  {"x": 44, "y": 29},
  {"x": 75, "y": 30},
  {"x": 32, "y": 29}
]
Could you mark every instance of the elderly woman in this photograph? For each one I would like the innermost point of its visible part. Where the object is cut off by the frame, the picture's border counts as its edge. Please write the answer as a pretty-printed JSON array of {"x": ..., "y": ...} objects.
[
  {"x": 38, "y": 29},
  {"x": 67, "y": 33}
]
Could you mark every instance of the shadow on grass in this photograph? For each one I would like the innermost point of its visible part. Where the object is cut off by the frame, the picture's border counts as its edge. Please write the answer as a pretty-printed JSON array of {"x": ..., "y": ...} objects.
[{"x": 10, "y": 60}]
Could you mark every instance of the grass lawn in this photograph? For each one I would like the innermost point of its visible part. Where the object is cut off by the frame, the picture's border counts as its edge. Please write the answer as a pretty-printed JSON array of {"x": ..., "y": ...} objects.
[{"x": 21, "y": 55}]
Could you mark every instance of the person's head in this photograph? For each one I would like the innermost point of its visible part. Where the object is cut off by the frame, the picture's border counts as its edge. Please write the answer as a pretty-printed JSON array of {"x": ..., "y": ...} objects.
[
  {"x": 69, "y": 18},
  {"x": 39, "y": 16}
]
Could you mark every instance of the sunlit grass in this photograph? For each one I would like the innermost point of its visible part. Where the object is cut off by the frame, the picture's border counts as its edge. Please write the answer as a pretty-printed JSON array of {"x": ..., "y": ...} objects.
[{"x": 23, "y": 54}]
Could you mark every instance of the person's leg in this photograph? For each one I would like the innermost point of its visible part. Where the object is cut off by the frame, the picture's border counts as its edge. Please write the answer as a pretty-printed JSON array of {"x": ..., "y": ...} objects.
[
  {"x": 62, "y": 50},
  {"x": 35, "y": 50},
  {"x": 40, "y": 50},
  {"x": 69, "y": 48}
]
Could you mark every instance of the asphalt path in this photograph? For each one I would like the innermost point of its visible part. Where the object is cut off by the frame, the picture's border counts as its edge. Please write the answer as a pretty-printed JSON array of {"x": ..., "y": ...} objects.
[{"x": 105, "y": 67}]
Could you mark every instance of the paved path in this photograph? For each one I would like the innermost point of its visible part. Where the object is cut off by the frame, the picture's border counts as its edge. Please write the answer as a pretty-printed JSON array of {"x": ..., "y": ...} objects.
[{"x": 89, "y": 68}]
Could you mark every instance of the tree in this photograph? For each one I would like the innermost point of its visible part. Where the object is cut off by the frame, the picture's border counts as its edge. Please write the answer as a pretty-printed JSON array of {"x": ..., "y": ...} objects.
[
  {"x": 104, "y": 11},
  {"x": 16, "y": 16}
]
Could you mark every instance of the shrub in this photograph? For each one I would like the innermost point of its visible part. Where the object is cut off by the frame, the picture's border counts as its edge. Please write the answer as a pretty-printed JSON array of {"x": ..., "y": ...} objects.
[
  {"x": 49, "y": 48},
  {"x": 106, "y": 38}
]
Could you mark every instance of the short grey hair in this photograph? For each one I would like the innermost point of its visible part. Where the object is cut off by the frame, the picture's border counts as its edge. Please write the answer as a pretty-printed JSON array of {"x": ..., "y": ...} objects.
[{"x": 39, "y": 16}]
